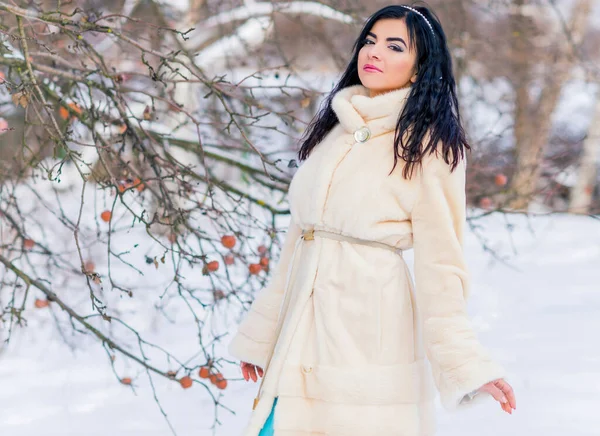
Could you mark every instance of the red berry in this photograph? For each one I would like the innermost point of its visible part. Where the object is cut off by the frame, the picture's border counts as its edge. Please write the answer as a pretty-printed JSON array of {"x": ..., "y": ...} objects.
[
  {"x": 485, "y": 202},
  {"x": 221, "y": 384},
  {"x": 228, "y": 241},
  {"x": 39, "y": 303},
  {"x": 255, "y": 268},
  {"x": 229, "y": 259},
  {"x": 138, "y": 184},
  {"x": 186, "y": 382},
  {"x": 89, "y": 266},
  {"x": 500, "y": 179},
  {"x": 106, "y": 215},
  {"x": 204, "y": 372}
]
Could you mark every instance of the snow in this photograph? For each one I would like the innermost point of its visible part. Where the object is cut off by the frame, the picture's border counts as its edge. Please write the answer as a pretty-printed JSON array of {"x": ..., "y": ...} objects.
[
  {"x": 251, "y": 34},
  {"x": 534, "y": 304},
  {"x": 267, "y": 8}
]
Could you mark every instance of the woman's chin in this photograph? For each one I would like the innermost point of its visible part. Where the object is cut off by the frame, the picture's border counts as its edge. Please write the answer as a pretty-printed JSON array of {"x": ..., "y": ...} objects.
[{"x": 371, "y": 83}]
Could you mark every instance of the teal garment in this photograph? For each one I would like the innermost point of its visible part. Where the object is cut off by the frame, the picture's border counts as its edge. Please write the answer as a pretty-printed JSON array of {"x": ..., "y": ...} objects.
[{"x": 267, "y": 429}]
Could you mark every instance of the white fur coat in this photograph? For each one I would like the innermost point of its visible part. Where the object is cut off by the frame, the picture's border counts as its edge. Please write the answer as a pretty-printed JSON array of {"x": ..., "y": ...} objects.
[{"x": 355, "y": 355}]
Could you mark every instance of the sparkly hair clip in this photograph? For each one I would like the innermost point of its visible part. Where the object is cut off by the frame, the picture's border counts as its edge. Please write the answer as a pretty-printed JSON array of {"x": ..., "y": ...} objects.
[{"x": 417, "y": 12}]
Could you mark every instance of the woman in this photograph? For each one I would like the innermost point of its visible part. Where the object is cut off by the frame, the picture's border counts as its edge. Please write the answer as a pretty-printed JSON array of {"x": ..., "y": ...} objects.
[{"x": 348, "y": 345}]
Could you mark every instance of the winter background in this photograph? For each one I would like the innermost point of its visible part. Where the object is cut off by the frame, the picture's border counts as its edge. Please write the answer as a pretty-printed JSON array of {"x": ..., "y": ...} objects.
[
  {"x": 537, "y": 311},
  {"x": 535, "y": 304}
]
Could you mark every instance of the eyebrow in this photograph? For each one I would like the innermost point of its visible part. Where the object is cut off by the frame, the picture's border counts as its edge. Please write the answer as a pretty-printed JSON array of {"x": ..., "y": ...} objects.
[{"x": 389, "y": 39}]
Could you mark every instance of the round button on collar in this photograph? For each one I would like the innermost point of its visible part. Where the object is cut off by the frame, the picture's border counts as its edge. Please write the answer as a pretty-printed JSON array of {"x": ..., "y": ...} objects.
[
  {"x": 307, "y": 369},
  {"x": 362, "y": 134}
]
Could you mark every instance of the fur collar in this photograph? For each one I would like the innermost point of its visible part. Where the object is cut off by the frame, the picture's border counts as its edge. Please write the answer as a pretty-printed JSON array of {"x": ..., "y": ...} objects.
[{"x": 355, "y": 109}]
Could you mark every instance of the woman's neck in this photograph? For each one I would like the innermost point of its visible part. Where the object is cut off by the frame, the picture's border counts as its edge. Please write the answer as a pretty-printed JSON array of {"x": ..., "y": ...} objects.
[{"x": 374, "y": 93}]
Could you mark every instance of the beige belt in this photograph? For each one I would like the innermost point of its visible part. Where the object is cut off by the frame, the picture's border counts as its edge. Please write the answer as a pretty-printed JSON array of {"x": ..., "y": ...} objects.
[{"x": 309, "y": 235}]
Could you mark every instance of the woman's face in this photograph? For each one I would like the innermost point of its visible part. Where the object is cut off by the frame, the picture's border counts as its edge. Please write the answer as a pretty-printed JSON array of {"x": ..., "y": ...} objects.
[{"x": 385, "y": 62}]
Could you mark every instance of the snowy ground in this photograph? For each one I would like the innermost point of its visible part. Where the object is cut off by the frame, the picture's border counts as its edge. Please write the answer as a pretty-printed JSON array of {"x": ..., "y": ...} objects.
[{"x": 538, "y": 313}]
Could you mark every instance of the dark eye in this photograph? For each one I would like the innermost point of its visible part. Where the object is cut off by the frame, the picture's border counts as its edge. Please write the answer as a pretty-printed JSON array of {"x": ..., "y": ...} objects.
[
  {"x": 396, "y": 48},
  {"x": 367, "y": 41}
]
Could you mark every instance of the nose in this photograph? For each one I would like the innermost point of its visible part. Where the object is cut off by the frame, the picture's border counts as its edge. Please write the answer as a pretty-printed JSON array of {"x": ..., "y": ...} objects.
[{"x": 373, "y": 53}]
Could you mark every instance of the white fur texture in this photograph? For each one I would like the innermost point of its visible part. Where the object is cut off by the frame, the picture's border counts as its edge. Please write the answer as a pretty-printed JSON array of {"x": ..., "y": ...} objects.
[{"x": 360, "y": 350}]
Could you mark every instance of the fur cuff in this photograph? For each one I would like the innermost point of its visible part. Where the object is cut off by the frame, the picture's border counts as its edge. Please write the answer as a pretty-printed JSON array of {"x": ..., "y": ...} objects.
[
  {"x": 248, "y": 350},
  {"x": 455, "y": 384}
]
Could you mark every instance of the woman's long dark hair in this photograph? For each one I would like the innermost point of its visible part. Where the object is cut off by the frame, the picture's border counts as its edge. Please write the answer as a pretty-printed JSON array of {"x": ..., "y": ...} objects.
[{"x": 432, "y": 106}]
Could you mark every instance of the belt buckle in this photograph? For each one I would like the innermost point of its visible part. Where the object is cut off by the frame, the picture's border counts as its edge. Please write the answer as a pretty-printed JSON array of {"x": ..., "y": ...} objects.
[{"x": 308, "y": 235}]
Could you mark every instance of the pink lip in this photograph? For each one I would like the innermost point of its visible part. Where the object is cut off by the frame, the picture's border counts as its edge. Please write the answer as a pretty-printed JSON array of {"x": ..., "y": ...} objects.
[{"x": 369, "y": 67}]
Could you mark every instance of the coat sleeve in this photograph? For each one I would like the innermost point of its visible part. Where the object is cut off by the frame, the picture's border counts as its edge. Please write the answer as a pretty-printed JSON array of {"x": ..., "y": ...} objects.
[
  {"x": 459, "y": 363},
  {"x": 256, "y": 333}
]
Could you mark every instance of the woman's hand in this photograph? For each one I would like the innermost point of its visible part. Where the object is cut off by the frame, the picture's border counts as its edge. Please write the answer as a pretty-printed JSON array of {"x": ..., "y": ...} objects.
[
  {"x": 502, "y": 392},
  {"x": 249, "y": 371}
]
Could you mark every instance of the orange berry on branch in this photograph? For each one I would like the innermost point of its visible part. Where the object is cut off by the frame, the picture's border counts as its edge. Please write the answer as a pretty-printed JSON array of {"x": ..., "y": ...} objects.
[
  {"x": 218, "y": 378},
  {"x": 186, "y": 382},
  {"x": 255, "y": 268},
  {"x": 228, "y": 241},
  {"x": 500, "y": 179},
  {"x": 75, "y": 108},
  {"x": 485, "y": 202},
  {"x": 212, "y": 266},
  {"x": 138, "y": 184},
  {"x": 221, "y": 384},
  {"x": 89, "y": 266},
  {"x": 229, "y": 259},
  {"x": 63, "y": 112},
  {"x": 204, "y": 372},
  {"x": 39, "y": 303},
  {"x": 106, "y": 215}
]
